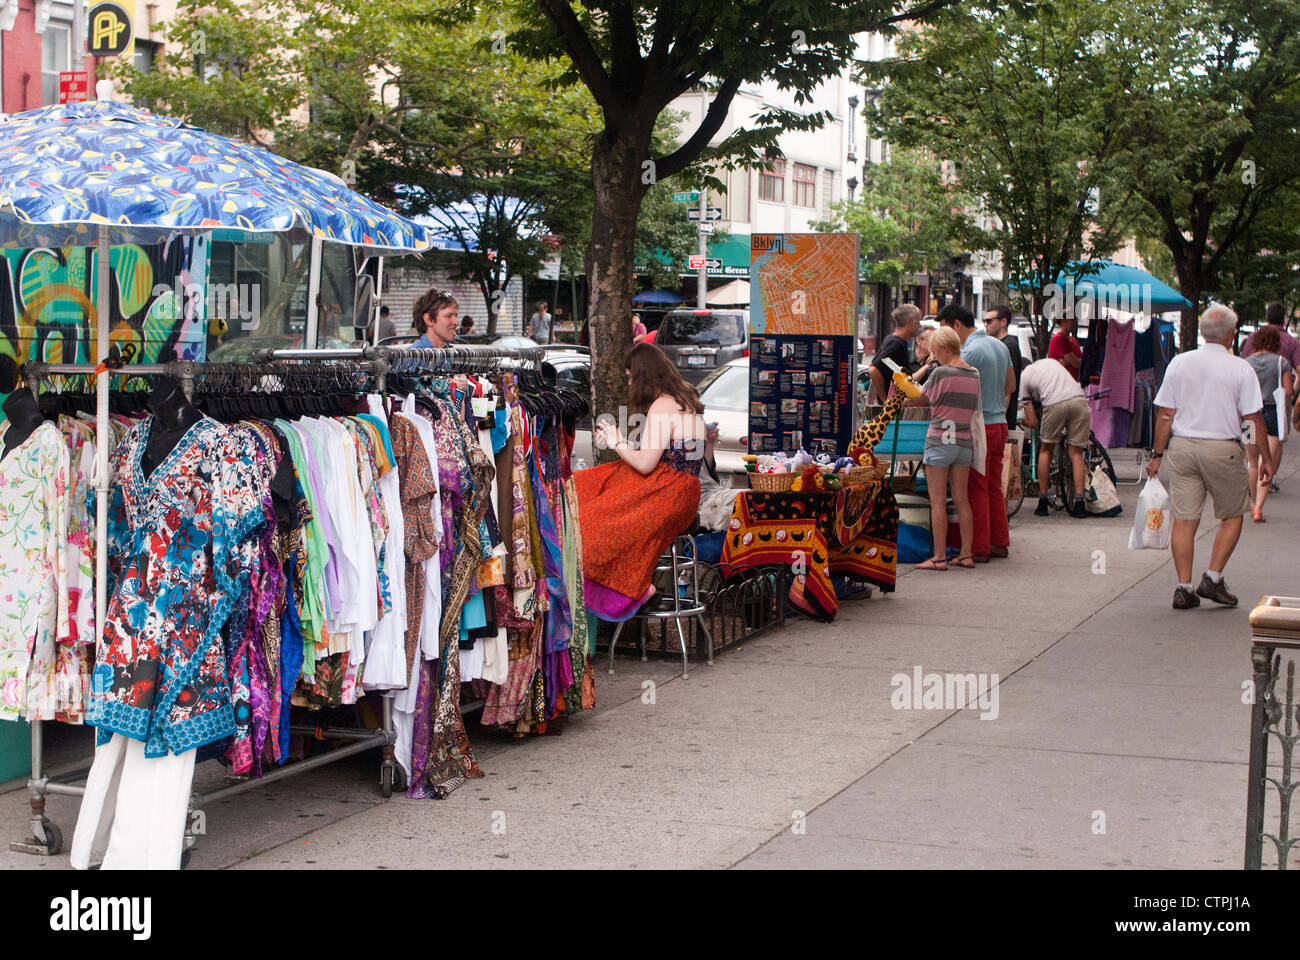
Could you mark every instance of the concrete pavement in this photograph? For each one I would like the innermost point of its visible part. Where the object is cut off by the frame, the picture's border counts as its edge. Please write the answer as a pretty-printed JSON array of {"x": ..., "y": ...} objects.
[{"x": 1120, "y": 738}]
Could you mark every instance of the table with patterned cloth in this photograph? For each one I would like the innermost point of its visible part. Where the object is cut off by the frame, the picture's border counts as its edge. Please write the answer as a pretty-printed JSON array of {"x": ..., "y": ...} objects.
[{"x": 852, "y": 532}]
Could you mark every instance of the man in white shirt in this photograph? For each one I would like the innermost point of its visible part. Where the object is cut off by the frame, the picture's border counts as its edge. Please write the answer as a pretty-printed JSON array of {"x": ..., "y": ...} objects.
[
  {"x": 1048, "y": 383},
  {"x": 1206, "y": 395}
]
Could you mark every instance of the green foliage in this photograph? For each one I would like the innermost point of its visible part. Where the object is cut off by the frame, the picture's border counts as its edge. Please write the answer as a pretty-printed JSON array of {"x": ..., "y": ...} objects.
[
  {"x": 424, "y": 117},
  {"x": 909, "y": 217},
  {"x": 1210, "y": 139},
  {"x": 1021, "y": 104}
]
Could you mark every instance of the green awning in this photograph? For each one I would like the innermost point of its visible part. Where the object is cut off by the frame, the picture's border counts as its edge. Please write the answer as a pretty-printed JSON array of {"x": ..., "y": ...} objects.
[{"x": 728, "y": 257}]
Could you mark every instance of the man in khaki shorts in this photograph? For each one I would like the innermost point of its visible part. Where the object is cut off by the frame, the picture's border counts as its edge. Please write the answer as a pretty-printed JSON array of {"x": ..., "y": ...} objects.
[
  {"x": 1206, "y": 395},
  {"x": 1050, "y": 384}
]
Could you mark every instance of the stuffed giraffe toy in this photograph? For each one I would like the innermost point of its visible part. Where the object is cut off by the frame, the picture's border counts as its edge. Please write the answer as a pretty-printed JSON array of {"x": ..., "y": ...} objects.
[{"x": 871, "y": 433}]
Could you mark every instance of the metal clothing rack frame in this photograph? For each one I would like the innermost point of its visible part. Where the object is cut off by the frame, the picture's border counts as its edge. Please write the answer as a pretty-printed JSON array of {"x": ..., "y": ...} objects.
[{"x": 46, "y": 838}]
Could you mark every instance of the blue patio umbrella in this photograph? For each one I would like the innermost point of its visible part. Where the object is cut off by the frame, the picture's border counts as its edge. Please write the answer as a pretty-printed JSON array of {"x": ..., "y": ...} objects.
[
  {"x": 1114, "y": 284},
  {"x": 102, "y": 173}
]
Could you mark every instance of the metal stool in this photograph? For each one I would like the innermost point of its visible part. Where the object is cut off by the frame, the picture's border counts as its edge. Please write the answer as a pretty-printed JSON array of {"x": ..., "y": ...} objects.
[{"x": 683, "y": 602}]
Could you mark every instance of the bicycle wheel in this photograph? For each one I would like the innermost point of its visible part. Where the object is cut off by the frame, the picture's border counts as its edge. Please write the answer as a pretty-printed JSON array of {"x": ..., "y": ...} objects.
[
  {"x": 1062, "y": 476},
  {"x": 1094, "y": 456}
]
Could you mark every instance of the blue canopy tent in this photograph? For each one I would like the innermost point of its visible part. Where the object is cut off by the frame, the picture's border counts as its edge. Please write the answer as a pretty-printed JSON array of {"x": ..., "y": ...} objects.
[
  {"x": 1111, "y": 285},
  {"x": 658, "y": 298}
]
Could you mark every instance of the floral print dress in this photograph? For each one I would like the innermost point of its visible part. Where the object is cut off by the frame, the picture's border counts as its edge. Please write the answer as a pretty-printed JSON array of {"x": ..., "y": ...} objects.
[{"x": 33, "y": 572}]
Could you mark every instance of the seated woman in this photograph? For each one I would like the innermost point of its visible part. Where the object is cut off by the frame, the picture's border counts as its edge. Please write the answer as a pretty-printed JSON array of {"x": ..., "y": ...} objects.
[
  {"x": 632, "y": 509},
  {"x": 953, "y": 391}
]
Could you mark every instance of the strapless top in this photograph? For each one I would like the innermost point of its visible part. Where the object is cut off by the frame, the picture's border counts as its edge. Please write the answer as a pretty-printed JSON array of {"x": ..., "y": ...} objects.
[{"x": 685, "y": 456}]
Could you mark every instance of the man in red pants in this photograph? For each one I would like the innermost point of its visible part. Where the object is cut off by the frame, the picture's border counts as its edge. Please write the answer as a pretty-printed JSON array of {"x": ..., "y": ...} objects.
[{"x": 997, "y": 383}]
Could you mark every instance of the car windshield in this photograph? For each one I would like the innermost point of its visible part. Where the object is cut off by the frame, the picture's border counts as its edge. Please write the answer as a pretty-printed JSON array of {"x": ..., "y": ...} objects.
[
  {"x": 715, "y": 329},
  {"x": 728, "y": 389}
]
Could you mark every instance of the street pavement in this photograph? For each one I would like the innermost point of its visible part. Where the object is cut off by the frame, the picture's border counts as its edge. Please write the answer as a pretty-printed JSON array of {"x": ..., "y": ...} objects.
[{"x": 1116, "y": 737}]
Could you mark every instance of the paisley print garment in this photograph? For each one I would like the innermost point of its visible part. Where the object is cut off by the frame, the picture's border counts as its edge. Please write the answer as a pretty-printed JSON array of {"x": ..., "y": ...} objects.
[{"x": 182, "y": 537}]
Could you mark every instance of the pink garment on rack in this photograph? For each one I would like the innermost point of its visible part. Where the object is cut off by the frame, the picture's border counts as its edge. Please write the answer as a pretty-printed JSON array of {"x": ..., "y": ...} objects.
[{"x": 1117, "y": 371}]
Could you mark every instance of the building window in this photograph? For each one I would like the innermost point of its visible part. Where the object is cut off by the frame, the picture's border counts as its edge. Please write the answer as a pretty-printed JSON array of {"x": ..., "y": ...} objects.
[
  {"x": 56, "y": 54},
  {"x": 804, "y": 185},
  {"x": 771, "y": 185},
  {"x": 146, "y": 52}
]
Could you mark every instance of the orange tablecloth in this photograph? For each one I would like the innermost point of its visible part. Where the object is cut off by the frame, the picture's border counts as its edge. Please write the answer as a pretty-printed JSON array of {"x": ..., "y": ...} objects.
[{"x": 853, "y": 532}]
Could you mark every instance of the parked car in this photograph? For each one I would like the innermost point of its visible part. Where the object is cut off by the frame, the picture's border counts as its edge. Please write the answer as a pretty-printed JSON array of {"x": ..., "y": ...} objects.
[{"x": 701, "y": 341}]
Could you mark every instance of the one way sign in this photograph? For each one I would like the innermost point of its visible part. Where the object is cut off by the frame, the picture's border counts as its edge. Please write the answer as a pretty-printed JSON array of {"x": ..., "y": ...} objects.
[{"x": 714, "y": 213}]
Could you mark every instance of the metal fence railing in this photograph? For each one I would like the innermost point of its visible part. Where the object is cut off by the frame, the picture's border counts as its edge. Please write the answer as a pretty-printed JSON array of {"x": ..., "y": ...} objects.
[{"x": 1275, "y": 639}]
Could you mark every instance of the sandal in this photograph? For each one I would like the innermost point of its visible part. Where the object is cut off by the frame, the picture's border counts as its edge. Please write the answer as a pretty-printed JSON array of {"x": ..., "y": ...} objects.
[
  {"x": 969, "y": 561},
  {"x": 934, "y": 563}
]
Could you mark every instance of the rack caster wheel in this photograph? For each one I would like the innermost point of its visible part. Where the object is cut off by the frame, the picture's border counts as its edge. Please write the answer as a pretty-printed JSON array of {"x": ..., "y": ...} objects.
[
  {"x": 46, "y": 840},
  {"x": 391, "y": 778}
]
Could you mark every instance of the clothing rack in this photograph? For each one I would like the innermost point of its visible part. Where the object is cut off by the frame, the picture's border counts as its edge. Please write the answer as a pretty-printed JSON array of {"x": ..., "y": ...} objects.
[{"x": 46, "y": 838}]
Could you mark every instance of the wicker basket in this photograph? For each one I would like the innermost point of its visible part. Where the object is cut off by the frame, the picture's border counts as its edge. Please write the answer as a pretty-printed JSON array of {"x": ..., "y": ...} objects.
[
  {"x": 772, "y": 482},
  {"x": 858, "y": 476}
]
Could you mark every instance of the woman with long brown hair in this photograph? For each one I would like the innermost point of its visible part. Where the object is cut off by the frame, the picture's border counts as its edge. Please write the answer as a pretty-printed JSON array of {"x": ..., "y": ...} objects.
[{"x": 633, "y": 508}]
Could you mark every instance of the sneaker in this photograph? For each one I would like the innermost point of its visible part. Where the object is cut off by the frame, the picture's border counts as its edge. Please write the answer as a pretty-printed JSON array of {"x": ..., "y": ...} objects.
[
  {"x": 1218, "y": 592},
  {"x": 1184, "y": 599},
  {"x": 1274, "y": 488},
  {"x": 1078, "y": 509},
  {"x": 1043, "y": 509}
]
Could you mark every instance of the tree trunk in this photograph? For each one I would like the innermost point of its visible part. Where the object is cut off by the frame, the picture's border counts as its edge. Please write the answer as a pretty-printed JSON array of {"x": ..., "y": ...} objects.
[
  {"x": 616, "y": 175},
  {"x": 1189, "y": 285}
]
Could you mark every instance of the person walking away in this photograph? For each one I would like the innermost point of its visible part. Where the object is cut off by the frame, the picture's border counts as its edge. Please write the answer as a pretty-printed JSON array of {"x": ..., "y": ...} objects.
[
  {"x": 539, "y": 324},
  {"x": 1206, "y": 395},
  {"x": 1065, "y": 347},
  {"x": 1275, "y": 316},
  {"x": 907, "y": 324},
  {"x": 992, "y": 536},
  {"x": 997, "y": 324},
  {"x": 1273, "y": 371},
  {"x": 1048, "y": 384},
  {"x": 953, "y": 392}
]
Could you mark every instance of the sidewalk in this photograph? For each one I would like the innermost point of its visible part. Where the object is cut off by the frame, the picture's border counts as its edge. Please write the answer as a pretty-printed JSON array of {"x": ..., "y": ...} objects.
[{"x": 1115, "y": 713}]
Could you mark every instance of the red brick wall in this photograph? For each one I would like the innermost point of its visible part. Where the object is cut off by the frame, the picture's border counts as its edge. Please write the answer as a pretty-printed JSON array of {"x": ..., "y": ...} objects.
[{"x": 22, "y": 56}]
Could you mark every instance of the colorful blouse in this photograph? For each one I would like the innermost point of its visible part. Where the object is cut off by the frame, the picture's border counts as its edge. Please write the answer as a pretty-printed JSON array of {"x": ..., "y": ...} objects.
[{"x": 180, "y": 548}]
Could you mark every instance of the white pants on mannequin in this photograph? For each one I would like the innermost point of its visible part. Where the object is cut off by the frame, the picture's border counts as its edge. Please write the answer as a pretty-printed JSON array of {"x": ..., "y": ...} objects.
[{"x": 133, "y": 813}]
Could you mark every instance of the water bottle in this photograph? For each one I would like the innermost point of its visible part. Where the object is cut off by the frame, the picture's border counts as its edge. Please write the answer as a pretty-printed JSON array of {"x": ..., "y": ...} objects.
[{"x": 682, "y": 585}]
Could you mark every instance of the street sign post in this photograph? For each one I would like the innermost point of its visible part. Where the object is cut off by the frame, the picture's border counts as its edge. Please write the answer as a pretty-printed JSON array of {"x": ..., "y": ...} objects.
[
  {"x": 686, "y": 196},
  {"x": 74, "y": 86},
  {"x": 710, "y": 213}
]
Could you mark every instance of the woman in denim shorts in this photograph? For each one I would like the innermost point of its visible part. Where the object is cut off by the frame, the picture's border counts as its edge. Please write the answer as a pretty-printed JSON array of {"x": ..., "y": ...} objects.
[{"x": 953, "y": 392}]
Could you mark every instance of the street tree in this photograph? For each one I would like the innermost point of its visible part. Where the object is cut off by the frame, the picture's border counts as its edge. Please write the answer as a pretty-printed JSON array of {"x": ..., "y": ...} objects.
[
  {"x": 636, "y": 57},
  {"x": 910, "y": 217},
  {"x": 1211, "y": 133},
  {"x": 1019, "y": 102},
  {"x": 425, "y": 117}
]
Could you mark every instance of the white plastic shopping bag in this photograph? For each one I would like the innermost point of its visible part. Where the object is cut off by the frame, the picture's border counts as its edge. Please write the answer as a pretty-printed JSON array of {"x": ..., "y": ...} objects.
[{"x": 1152, "y": 518}]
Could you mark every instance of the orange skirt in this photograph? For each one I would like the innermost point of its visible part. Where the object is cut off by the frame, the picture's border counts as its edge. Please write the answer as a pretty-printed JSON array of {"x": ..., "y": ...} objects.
[{"x": 628, "y": 521}]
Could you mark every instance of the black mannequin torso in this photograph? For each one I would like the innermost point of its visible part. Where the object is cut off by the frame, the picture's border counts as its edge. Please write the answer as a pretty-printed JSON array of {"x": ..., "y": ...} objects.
[
  {"x": 24, "y": 417},
  {"x": 173, "y": 416}
]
